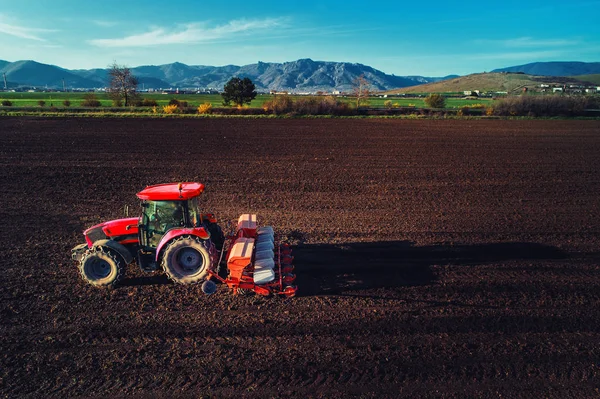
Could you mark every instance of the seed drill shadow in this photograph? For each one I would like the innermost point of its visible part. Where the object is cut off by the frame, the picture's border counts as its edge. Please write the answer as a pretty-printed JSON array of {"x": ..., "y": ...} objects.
[{"x": 326, "y": 269}]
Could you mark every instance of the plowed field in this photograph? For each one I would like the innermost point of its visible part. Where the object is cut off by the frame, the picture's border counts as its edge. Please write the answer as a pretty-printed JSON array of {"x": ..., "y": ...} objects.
[{"x": 434, "y": 258}]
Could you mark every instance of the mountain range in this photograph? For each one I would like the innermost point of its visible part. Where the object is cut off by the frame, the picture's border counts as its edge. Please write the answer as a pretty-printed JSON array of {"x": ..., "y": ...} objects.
[{"x": 304, "y": 75}]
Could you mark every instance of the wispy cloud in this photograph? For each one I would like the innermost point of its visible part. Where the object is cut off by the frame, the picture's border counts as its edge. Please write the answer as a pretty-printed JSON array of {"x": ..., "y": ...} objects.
[
  {"x": 104, "y": 23},
  {"x": 528, "y": 55},
  {"x": 189, "y": 33},
  {"x": 528, "y": 42},
  {"x": 23, "y": 32}
]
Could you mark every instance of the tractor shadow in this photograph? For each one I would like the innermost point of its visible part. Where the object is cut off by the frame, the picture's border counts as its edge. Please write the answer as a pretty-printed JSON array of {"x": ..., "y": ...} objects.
[
  {"x": 326, "y": 269},
  {"x": 156, "y": 279}
]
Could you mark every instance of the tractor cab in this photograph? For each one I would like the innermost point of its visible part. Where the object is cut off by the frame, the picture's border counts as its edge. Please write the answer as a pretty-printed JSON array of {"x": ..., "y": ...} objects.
[
  {"x": 158, "y": 217},
  {"x": 165, "y": 207}
]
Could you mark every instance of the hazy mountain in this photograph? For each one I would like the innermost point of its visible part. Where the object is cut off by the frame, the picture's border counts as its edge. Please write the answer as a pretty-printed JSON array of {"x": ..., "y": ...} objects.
[
  {"x": 424, "y": 79},
  {"x": 303, "y": 75},
  {"x": 557, "y": 68},
  {"x": 31, "y": 73}
]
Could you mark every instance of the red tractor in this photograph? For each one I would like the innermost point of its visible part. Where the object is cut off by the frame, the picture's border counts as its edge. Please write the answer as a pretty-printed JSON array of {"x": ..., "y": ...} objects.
[{"x": 173, "y": 235}]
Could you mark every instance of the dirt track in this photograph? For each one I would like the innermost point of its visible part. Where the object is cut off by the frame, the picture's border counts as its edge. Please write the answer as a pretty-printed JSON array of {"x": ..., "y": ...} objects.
[{"x": 434, "y": 258}]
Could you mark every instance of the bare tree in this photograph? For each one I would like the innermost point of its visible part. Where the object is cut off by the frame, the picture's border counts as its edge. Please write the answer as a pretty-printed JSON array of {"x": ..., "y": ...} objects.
[
  {"x": 122, "y": 85},
  {"x": 361, "y": 90}
]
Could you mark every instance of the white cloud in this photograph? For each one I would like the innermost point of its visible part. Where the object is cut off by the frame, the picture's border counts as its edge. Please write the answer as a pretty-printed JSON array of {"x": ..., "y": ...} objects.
[
  {"x": 188, "y": 33},
  {"x": 526, "y": 41},
  {"x": 23, "y": 32}
]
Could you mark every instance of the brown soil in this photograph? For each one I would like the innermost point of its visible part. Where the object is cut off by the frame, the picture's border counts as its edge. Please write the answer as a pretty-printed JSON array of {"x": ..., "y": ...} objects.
[{"x": 434, "y": 258}]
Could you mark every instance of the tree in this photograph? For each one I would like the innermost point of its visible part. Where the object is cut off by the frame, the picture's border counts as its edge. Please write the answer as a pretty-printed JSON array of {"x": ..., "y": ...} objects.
[
  {"x": 239, "y": 91},
  {"x": 435, "y": 100},
  {"x": 122, "y": 85},
  {"x": 361, "y": 90}
]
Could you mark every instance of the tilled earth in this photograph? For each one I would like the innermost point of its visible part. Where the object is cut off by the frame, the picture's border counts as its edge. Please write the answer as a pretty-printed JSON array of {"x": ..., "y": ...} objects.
[{"x": 434, "y": 258}]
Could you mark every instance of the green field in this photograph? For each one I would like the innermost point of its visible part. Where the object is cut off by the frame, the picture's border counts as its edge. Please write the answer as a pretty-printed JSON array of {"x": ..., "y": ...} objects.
[{"x": 56, "y": 99}]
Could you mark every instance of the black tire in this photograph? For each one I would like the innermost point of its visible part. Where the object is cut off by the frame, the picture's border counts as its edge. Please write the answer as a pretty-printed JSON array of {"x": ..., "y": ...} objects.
[
  {"x": 186, "y": 260},
  {"x": 101, "y": 267}
]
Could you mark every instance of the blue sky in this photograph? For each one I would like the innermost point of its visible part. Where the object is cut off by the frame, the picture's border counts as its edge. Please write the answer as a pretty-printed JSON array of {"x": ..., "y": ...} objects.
[{"x": 427, "y": 38}]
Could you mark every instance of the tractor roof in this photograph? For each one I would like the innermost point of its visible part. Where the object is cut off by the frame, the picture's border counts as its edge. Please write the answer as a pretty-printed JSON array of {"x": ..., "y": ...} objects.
[{"x": 171, "y": 191}]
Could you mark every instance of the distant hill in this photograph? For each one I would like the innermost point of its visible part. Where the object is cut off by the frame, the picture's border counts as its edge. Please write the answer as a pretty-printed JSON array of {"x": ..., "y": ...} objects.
[
  {"x": 589, "y": 78},
  {"x": 303, "y": 75},
  {"x": 556, "y": 68},
  {"x": 487, "y": 82}
]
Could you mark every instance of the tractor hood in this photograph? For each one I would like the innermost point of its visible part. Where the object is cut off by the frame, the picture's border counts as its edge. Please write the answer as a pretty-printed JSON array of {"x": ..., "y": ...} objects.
[{"x": 115, "y": 228}]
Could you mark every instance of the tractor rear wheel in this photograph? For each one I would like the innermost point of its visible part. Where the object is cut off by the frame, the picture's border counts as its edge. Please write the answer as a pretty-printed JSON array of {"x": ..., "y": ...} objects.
[
  {"x": 101, "y": 267},
  {"x": 186, "y": 260}
]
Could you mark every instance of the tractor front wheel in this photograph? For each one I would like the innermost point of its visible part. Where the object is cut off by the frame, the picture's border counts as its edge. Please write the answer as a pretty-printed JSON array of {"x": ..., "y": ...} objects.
[
  {"x": 101, "y": 268},
  {"x": 186, "y": 260}
]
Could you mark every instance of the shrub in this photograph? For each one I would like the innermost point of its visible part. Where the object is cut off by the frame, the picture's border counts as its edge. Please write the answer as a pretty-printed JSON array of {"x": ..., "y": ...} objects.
[
  {"x": 41, "y": 103},
  {"x": 280, "y": 104},
  {"x": 178, "y": 103},
  {"x": 307, "y": 105},
  {"x": 67, "y": 103},
  {"x": 388, "y": 104},
  {"x": 331, "y": 106},
  {"x": 90, "y": 100},
  {"x": 117, "y": 102},
  {"x": 6, "y": 103},
  {"x": 489, "y": 111},
  {"x": 395, "y": 105},
  {"x": 205, "y": 108},
  {"x": 435, "y": 100},
  {"x": 477, "y": 106},
  {"x": 543, "y": 106},
  {"x": 149, "y": 102},
  {"x": 171, "y": 109}
]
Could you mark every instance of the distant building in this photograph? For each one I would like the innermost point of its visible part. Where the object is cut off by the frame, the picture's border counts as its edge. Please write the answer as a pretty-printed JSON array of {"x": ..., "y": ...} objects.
[{"x": 557, "y": 90}]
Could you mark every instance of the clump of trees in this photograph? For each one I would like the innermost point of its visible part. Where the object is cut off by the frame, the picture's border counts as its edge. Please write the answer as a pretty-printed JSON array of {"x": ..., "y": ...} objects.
[
  {"x": 6, "y": 103},
  {"x": 311, "y": 105},
  {"x": 435, "y": 100},
  {"x": 238, "y": 91},
  {"x": 544, "y": 105}
]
